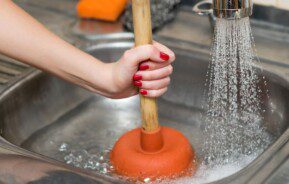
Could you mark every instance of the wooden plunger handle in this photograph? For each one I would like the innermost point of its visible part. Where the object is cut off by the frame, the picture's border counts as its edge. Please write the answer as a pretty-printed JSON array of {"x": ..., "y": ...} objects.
[{"x": 143, "y": 36}]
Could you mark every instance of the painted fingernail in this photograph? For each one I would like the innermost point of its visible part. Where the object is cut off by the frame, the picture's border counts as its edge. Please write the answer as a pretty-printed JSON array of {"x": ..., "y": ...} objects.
[
  {"x": 137, "y": 83},
  {"x": 143, "y": 92},
  {"x": 137, "y": 77},
  {"x": 143, "y": 67},
  {"x": 164, "y": 56}
]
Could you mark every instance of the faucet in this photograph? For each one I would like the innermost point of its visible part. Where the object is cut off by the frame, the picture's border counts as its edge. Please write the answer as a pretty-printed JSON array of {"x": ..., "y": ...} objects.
[
  {"x": 227, "y": 9},
  {"x": 232, "y": 9}
]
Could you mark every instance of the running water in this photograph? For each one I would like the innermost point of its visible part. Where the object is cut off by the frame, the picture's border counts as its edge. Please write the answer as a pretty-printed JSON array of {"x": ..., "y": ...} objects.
[{"x": 234, "y": 114}]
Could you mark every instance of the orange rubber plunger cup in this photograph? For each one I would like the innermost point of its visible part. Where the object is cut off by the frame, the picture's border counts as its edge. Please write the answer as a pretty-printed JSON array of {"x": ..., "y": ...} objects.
[{"x": 151, "y": 151}]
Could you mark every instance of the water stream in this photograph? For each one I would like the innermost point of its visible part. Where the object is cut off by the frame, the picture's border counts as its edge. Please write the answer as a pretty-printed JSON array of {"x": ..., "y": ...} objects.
[{"x": 234, "y": 109}]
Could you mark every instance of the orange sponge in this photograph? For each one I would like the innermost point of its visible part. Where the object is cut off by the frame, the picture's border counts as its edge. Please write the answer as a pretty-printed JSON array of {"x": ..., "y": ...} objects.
[{"x": 108, "y": 10}]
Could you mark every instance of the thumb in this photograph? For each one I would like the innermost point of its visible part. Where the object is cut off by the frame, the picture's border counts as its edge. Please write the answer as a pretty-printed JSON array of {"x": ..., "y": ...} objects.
[{"x": 142, "y": 53}]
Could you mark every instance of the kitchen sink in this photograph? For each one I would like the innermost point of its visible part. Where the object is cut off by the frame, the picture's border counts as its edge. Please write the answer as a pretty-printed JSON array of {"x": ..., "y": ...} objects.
[{"x": 40, "y": 112}]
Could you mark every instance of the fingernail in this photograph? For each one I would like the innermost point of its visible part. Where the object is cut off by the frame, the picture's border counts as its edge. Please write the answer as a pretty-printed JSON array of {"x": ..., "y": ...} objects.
[
  {"x": 137, "y": 83},
  {"x": 143, "y": 92},
  {"x": 137, "y": 77},
  {"x": 143, "y": 67},
  {"x": 164, "y": 56}
]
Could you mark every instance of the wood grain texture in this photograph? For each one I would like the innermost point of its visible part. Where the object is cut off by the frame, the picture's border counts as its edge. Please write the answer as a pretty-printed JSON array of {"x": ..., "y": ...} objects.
[{"x": 143, "y": 36}]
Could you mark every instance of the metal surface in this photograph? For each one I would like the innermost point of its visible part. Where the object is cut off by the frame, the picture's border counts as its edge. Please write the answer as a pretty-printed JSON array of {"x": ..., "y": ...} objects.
[
  {"x": 9, "y": 69},
  {"x": 36, "y": 117},
  {"x": 38, "y": 111},
  {"x": 232, "y": 9},
  {"x": 204, "y": 8},
  {"x": 228, "y": 9}
]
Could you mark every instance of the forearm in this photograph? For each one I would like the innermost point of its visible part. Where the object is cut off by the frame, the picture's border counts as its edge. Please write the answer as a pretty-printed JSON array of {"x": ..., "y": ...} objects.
[{"x": 23, "y": 38}]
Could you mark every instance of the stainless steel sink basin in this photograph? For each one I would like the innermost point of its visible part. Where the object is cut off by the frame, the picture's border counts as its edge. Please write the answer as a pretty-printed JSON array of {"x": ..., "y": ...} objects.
[{"x": 39, "y": 112}]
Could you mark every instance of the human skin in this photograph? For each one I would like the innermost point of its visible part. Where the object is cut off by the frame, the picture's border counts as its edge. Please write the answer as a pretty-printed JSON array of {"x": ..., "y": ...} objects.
[{"x": 147, "y": 67}]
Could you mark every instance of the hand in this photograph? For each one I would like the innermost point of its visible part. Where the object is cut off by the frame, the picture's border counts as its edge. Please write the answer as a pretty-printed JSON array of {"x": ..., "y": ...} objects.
[{"x": 146, "y": 67}]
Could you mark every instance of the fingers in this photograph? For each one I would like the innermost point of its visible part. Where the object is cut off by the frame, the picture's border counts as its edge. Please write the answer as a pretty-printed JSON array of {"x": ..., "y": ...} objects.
[
  {"x": 153, "y": 93},
  {"x": 165, "y": 49},
  {"x": 153, "y": 85},
  {"x": 153, "y": 82},
  {"x": 142, "y": 53},
  {"x": 155, "y": 68},
  {"x": 151, "y": 88},
  {"x": 149, "y": 65},
  {"x": 155, "y": 74}
]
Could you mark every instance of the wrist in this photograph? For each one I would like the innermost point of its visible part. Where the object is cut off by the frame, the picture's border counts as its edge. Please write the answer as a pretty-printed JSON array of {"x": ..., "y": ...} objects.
[
  {"x": 105, "y": 81},
  {"x": 92, "y": 74},
  {"x": 114, "y": 79}
]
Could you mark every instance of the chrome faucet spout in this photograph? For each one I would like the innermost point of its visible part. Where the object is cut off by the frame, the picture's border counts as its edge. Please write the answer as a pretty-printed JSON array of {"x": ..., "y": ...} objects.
[{"x": 232, "y": 9}]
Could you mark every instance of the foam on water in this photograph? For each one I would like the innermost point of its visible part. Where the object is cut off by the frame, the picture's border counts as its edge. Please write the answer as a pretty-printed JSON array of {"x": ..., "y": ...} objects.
[
  {"x": 233, "y": 130},
  {"x": 98, "y": 162},
  {"x": 206, "y": 174}
]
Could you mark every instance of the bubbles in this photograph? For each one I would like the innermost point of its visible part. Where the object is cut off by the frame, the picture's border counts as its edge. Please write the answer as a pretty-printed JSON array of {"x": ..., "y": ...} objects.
[
  {"x": 207, "y": 174},
  {"x": 147, "y": 180},
  {"x": 63, "y": 147},
  {"x": 92, "y": 163},
  {"x": 83, "y": 159}
]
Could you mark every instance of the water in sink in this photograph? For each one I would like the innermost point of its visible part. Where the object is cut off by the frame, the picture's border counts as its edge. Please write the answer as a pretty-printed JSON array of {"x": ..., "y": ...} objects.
[
  {"x": 99, "y": 162},
  {"x": 97, "y": 123}
]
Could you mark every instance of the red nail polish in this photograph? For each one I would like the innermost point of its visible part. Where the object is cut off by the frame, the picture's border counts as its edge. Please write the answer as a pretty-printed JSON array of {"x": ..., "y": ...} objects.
[
  {"x": 164, "y": 56},
  {"x": 143, "y": 92},
  {"x": 137, "y": 83},
  {"x": 137, "y": 77},
  {"x": 143, "y": 67}
]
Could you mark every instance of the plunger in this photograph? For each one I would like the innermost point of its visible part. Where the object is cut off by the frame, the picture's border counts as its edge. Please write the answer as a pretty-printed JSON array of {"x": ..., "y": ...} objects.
[{"x": 151, "y": 151}]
